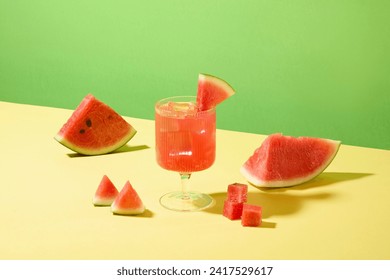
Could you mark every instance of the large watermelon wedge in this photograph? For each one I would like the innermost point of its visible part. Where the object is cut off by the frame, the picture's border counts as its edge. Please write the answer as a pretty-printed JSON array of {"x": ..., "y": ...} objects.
[
  {"x": 212, "y": 91},
  {"x": 94, "y": 128},
  {"x": 283, "y": 161}
]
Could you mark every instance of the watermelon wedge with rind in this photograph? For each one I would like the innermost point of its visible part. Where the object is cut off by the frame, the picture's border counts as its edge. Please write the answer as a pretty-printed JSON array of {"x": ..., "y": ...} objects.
[
  {"x": 212, "y": 91},
  {"x": 128, "y": 202},
  {"x": 105, "y": 193},
  {"x": 283, "y": 161},
  {"x": 94, "y": 128}
]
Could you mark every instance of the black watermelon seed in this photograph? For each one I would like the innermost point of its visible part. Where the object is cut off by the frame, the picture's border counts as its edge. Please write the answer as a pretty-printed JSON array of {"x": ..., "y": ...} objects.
[
  {"x": 88, "y": 122},
  {"x": 82, "y": 131}
]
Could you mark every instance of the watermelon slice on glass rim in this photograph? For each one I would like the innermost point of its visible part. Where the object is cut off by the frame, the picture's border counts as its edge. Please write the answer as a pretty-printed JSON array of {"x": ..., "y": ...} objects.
[
  {"x": 211, "y": 91},
  {"x": 94, "y": 128},
  {"x": 283, "y": 161}
]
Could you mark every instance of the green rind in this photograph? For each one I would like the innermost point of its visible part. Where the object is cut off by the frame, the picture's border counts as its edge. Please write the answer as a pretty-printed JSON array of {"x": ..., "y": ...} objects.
[
  {"x": 97, "y": 201},
  {"x": 119, "y": 211},
  {"x": 90, "y": 152}
]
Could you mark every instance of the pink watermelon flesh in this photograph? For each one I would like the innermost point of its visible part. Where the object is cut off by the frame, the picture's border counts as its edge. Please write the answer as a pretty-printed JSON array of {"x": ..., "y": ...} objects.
[
  {"x": 94, "y": 128},
  {"x": 236, "y": 196},
  {"x": 211, "y": 91},
  {"x": 283, "y": 161},
  {"x": 232, "y": 209},
  {"x": 251, "y": 215},
  {"x": 105, "y": 193},
  {"x": 237, "y": 192},
  {"x": 128, "y": 202}
]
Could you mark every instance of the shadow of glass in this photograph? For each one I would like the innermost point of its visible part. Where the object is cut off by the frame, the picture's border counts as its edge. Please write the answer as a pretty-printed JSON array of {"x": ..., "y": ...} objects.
[{"x": 123, "y": 149}]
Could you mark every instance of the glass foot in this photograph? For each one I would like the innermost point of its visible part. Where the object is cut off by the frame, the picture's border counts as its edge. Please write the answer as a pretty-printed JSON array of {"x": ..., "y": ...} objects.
[{"x": 191, "y": 201}]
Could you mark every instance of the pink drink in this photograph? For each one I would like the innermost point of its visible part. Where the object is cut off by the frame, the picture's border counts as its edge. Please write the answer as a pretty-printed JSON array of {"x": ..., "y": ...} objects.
[{"x": 185, "y": 138}]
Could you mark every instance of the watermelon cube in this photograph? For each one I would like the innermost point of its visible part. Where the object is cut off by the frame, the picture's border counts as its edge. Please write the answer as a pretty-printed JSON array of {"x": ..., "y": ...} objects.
[
  {"x": 251, "y": 215},
  {"x": 232, "y": 209},
  {"x": 237, "y": 192}
]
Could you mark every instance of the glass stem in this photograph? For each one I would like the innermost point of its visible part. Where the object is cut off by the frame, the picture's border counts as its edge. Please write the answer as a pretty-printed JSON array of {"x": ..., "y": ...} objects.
[{"x": 184, "y": 184}]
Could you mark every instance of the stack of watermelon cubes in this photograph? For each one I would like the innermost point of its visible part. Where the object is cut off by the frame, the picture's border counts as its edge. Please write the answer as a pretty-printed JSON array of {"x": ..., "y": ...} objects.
[
  {"x": 237, "y": 195},
  {"x": 235, "y": 206}
]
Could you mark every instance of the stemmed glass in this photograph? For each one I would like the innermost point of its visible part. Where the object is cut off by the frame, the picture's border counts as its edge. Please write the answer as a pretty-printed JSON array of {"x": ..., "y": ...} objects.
[{"x": 185, "y": 143}]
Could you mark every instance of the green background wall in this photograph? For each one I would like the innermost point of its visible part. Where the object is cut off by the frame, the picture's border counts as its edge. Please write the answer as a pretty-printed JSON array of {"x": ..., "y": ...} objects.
[{"x": 318, "y": 68}]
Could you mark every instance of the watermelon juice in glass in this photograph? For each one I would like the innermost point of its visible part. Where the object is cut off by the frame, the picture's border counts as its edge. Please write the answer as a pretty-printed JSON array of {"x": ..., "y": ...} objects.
[{"x": 185, "y": 143}]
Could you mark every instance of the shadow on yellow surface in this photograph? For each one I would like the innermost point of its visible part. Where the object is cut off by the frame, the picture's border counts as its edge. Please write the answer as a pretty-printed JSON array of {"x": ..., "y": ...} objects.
[
  {"x": 123, "y": 149},
  {"x": 277, "y": 202},
  {"x": 324, "y": 179},
  {"x": 146, "y": 214},
  {"x": 272, "y": 203}
]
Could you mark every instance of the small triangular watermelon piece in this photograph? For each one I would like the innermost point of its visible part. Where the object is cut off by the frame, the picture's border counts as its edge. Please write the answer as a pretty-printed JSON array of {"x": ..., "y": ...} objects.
[
  {"x": 105, "y": 193},
  {"x": 128, "y": 202},
  {"x": 94, "y": 128},
  {"x": 212, "y": 91},
  {"x": 283, "y": 161}
]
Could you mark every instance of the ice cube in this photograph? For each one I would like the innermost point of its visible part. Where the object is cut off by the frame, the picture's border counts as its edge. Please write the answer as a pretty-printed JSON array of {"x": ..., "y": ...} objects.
[{"x": 182, "y": 109}]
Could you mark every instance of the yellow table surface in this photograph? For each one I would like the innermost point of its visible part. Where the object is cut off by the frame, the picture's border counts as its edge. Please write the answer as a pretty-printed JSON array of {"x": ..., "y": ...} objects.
[{"x": 46, "y": 209}]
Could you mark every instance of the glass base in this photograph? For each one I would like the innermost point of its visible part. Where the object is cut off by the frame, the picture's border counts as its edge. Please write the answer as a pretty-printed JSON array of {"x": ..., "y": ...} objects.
[{"x": 191, "y": 201}]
